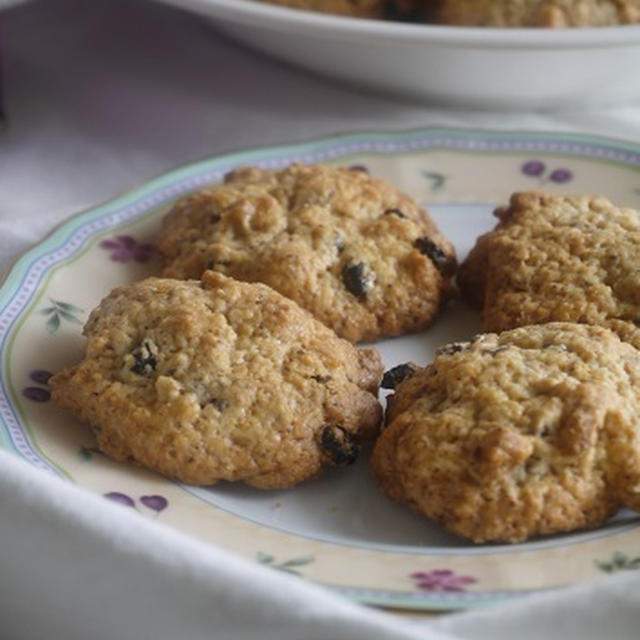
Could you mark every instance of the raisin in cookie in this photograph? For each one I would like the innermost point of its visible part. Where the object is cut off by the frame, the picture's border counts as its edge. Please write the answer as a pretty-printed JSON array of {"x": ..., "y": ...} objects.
[
  {"x": 539, "y": 13},
  {"x": 357, "y": 8},
  {"x": 529, "y": 432},
  {"x": 420, "y": 10},
  {"x": 220, "y": 380},
  {"x": 552, "y": 258},
  {"x": 357, "y": 253}
]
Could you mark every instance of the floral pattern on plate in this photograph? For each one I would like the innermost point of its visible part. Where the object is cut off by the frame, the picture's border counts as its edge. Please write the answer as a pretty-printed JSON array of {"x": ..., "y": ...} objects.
[
  {"x": 155, "y": 503},
  {"x": 40, "y": 393},
  {"x": 336, "y": 531},
  {"x": 58, "y": 312},
  {"x": 125, "y": 249}
]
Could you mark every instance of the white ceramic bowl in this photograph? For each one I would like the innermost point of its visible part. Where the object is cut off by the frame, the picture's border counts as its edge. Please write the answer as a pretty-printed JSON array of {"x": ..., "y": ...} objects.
[{"x": 474, "y": 67}]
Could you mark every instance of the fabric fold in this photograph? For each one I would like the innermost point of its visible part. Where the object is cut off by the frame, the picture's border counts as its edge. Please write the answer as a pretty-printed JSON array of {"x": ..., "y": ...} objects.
[{"x": 74, "y": 565}]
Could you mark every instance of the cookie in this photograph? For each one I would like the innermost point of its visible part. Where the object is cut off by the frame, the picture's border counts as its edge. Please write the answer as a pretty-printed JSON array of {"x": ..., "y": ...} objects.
[
  {"x": 220, "y": 380},
  {"x": 539, "y": 13},
  {"x": 529, "y": 432},
  {"x": 356, "y": 8},
  {"x": 555, "y": 258},
  {"x": 361, "y": 256}
]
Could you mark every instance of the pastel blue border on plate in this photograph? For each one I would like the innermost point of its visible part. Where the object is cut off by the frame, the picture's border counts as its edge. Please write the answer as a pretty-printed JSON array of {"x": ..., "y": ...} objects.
[{"x": 24, "y": 278}]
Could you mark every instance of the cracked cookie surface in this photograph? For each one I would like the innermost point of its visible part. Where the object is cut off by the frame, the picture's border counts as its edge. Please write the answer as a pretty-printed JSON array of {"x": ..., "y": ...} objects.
[
  {"x": 529, "y": 432},
  {"x": 361, "y": 256},
  {"x": 554, "y": 258},
  {"x": 220, "y": 380}
]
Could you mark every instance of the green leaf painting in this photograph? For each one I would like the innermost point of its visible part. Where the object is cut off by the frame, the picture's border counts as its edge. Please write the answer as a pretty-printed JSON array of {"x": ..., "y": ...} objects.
[
  {"x": 59, "y": 311},
  {"x": 437, "y": 180},
  {"x": 619, "y": 561},
  {"x": 288, "y": 566}
]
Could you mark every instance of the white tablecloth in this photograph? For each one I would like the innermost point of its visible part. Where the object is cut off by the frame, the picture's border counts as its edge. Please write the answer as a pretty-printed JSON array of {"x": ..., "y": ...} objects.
[{"x": 100, "y": 96}]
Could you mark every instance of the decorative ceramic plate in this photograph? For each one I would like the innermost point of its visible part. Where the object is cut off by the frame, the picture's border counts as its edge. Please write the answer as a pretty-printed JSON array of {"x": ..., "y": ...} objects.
[
  {"x": 337, "y": 530},
  {"x": 466, "y": 66}
]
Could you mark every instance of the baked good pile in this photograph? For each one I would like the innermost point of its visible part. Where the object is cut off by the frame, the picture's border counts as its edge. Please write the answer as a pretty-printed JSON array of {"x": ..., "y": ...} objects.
[
  {"x": 239, "y": 362},
  {"x": 484, "y": 13},
  {"x": 208, "y": 374}
]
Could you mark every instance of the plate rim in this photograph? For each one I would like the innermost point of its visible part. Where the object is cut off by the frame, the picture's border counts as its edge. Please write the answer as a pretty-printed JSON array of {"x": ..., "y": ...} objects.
[
  {"x": 20, "y": 264},
  {"x": 11, "y": 280},
  {"x": 579, "y": 137}
]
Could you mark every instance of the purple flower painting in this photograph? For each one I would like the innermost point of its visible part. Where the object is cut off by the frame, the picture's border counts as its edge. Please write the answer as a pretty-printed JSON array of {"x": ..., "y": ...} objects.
[
  {"x": 441, "y": 580},
  {"x": 155, "y": 503},
  {"x": 120, "y": 498},
  {"x": 538, "y": 169},
  {"x": 533, "y": 168},
  {"x": 40, "y": 393},
  {"x": 561, "y": 176},
  {"x": 127, "y": 249}
]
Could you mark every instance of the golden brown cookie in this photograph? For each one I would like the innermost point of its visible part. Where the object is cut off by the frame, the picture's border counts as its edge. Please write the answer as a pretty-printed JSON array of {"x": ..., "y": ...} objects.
[
  {"x": 357, "y": 8},
  {"x": 539, "y": 13},
  {"x": 529, "y": 432},
  {"x": 555, "y": 258},
  {"x": 361, "y": 256},
  {"x": 220, "y": 380}
]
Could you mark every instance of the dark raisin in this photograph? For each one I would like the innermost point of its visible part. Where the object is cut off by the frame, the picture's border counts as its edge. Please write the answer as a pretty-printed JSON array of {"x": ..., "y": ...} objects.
[
  {"x": 357, "y": 279},
  {"x": 219, "y": 403},
  {"x": 444, "y": 264},
  {"x": 214, "y": 218},
  {"x": 339, "y": 445},
  {"x": 359, "y": 167},
  {"x": 321, "y": 379},
  {"x": 210, "y": 264},
  {"x": 394, "y": 212},
  {"x": 451, "y": 348},
  {"x": 397, "y": 374},
  {"x": 144, "y": 359}
]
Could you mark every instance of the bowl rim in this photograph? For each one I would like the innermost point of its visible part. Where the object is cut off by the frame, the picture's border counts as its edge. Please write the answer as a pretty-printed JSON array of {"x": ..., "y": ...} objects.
[{"x": 271, "y": 16}]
